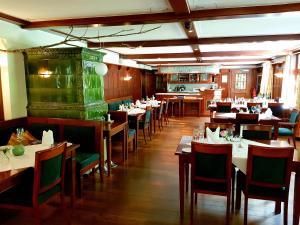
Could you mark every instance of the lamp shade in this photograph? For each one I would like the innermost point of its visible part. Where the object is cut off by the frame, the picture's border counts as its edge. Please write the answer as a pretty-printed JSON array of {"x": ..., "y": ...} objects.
[{"x": 101, "y": 69}]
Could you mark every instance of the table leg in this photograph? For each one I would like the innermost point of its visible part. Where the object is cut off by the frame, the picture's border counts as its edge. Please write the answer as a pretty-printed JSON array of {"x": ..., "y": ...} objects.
[
  {"x": 125, "y": 144},
  {"x": 296, "y": 212},
  {"x": 108, "y": 160},
  {"x": 181, "y": 187},
  {"x": 73, "y": 182},
  {"x": 183, "y": 106},
  {"x": 154, "y": 120}
]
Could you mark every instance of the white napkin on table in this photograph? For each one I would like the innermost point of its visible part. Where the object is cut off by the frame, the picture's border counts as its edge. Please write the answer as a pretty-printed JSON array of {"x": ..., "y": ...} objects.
[
  {"x": 47, "y": 138},
  {"x": 138, "y": 103},
  {"x": 268, "y": 113},
  {"x": 212, "y": 136}
]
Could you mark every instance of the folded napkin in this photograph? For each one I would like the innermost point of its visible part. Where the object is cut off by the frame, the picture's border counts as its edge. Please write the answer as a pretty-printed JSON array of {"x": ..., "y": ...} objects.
[
  {"x": 212, "y": 136},
  {"x": 47, "y": 138},
  {"x": 138, "y": 103},
  {"x": 268, "y": 113}
]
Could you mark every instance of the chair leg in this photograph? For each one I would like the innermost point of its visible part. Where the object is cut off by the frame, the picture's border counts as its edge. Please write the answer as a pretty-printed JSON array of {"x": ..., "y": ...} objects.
[
  {"x": 238, "y": 193},
  {"x": 149, "y": 133},
  {"x": 285, "y": 212},
  {"x": 246, "y": 210},
  {"x": 144, "y": 135},
  {"x": 186, "y": 168},
  {"x": 196, "y": 198},
  {"x": 192, "y": 208},
  {"x": 228, "y": 208},
  {"x": 232, "y": 188},
  {"x": 36, "y": 215},
  {"x": 277, "y": 207},
  {"x": 100, "y": 171}
]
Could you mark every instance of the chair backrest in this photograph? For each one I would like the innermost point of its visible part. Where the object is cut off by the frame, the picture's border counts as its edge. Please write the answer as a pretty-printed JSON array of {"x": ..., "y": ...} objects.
[
  {"x": 269, "y": 166},
  {"x": 147, "y": 117},
  {"x": 245, "y": 118},
  {"x": 277, "y": 108},
  {"x": 224, "y": 107},
  {"x": 49, "y": 172},
  {"x": 250, "y": 104},
  {"x": 211, "y": 163},
  {"x": 256, "y": 131},
  {"x": 214, "y": 126},
  {"x": 294, "y": 116}
]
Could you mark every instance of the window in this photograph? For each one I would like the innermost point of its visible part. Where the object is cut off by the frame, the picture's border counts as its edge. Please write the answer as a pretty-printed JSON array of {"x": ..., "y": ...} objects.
[{"x": 240, "y": 81}]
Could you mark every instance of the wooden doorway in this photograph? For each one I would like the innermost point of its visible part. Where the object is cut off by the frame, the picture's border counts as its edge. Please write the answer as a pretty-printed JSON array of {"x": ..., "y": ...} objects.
[{"x": 241, "y": 83}]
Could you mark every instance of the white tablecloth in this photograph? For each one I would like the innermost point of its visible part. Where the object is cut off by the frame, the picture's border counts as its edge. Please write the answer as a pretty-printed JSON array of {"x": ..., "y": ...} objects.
[
  {"x": 239, "y": 150},
  {"x": 23, "y": 161}
]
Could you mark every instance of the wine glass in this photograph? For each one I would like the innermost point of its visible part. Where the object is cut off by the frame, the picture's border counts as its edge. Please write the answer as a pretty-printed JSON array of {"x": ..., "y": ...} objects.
[{"x": 20, "y": 133}]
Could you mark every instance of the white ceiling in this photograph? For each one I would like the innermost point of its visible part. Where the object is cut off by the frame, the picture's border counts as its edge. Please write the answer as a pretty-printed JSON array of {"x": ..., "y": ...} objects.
[{"x": 269, "y": 24}]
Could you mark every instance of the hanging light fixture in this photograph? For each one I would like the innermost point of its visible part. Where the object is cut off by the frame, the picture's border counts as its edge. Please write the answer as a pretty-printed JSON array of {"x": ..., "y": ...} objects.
[{"x": 101, "y": 69}]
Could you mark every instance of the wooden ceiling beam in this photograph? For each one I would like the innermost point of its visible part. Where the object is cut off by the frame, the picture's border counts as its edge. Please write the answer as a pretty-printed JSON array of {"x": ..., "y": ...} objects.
[
  {"x": 168, "y": 17},
  {"x": 180, "y": 6},
  {"x": 13, "y": 19},
  {"x": 204, "y": 61},
  {"x": 200, "y": 41},
  {"x": 204, "y": 54}
]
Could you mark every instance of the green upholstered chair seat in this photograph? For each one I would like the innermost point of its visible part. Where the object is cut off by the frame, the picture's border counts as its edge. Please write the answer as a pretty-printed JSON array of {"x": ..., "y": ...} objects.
[
  {"x": 224, "y": 109},
  {"x": 284, "y": 131},
  {"x": 83, "y": 159},
  {"x": 131, "y": 132},
  {"x": 114, "y": 105},
  {"x": 208, "y": 186},
  {"x": 127, "y": 101}
]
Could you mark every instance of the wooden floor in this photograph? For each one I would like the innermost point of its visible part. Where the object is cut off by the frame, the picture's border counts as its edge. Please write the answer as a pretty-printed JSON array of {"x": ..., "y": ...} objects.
[{"x": 144, "y": 191}]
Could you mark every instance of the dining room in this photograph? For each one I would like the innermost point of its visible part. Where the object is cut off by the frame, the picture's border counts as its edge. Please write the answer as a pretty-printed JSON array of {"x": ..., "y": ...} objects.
[{"x": 160, "y": 112}]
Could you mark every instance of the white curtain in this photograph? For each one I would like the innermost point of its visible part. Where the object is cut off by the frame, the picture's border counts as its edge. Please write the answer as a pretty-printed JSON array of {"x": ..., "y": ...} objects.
[
  {"x": 267, "y": 67},
  {"x": 288, "y": 83}
]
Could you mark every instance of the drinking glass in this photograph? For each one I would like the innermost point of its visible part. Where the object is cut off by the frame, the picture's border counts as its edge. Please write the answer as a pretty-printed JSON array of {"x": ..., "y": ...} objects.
[{"x": 20, "y": 132}]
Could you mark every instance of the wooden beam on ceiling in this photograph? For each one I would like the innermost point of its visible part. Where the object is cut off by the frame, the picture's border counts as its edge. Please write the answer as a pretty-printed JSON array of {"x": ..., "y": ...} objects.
[
  {"x": 13, "y": 19},
  {"x": 180, "y": 6},
  {"x": 204, "y": 61},
  {"x": 204, "y": 54},
  {"x": 200, "y": 41},
  {"x": 168, "y": 17}
]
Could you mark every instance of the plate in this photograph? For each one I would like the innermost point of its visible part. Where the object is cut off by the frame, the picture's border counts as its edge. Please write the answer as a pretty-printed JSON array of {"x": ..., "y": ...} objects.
[{"x": 186, "y": 150}]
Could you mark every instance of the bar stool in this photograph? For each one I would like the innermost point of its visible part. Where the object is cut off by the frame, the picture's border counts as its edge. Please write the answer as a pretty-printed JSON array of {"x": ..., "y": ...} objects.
[{"x": 173, "y": 101}]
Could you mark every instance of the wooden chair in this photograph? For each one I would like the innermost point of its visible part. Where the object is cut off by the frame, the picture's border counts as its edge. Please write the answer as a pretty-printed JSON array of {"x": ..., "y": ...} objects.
[
  {"x": 245, "y": 118},
  {"x": 268, "y": 176},
  {"x": 277, "y": 108},
  {"x": 211, "y": 170},
  {"x": 214, "y": 126},
  {"x": 224, "y": 107},
  {"x": 256, "y": 131},
  {"x": 250, "y": 104},
  {"x": 166, "y": 108},
  {"x": 160, "y": 116},
  {"x": 42, "y": 182},
  {"x": 145, "y": 124},
  {"x": 287, "y": 129}
]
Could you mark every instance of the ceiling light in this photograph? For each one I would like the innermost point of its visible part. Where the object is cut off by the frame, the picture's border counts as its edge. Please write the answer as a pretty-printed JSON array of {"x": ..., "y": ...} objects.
[{"x": 101, "y": 69}]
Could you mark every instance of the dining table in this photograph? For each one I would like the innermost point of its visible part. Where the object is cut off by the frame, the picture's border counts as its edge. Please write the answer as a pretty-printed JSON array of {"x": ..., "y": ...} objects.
[
  {"x": 239, "y": 159},
  {"x": 263, "y": 118},
  {"x": 14, "y": 170},
  {"x": 110, "y": 129}
]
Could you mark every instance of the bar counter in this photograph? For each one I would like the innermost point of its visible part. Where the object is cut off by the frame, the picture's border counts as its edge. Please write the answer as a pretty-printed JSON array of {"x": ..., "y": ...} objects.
[{"x": 191, "y": 103}]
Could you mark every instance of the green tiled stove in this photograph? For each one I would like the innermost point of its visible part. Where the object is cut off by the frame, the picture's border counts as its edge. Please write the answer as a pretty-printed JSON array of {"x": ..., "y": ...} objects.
[{"x": 62, "y": 82}]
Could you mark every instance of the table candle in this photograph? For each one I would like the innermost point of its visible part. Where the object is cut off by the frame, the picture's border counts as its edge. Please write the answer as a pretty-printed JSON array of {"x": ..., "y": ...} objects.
[{"x": 108, "y": 117}]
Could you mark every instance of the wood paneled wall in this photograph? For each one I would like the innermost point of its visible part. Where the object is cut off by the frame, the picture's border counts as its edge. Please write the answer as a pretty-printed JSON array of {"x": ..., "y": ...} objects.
[{"x": 115, "y": 86}]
